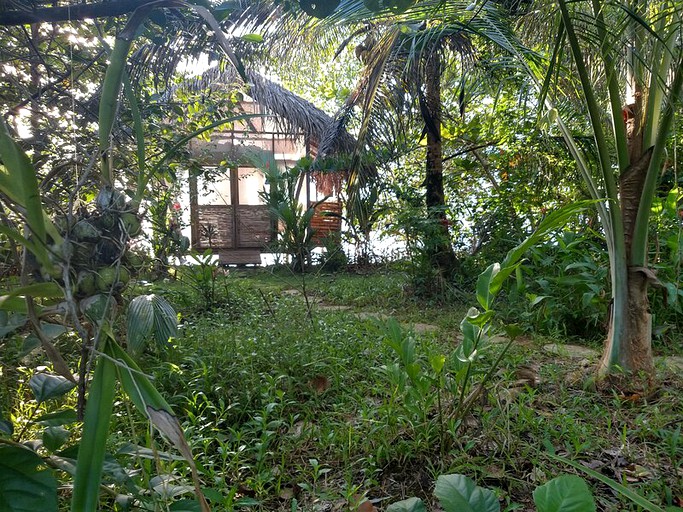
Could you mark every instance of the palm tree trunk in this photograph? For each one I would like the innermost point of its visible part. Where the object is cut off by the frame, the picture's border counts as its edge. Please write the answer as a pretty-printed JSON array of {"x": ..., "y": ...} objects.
[
  {"x": 440, "y": 248},
  {"x": 634, "y": 354}
]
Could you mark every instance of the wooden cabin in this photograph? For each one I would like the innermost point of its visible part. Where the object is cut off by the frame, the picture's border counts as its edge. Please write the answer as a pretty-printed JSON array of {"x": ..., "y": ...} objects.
[{"x": 227, "y": 213}]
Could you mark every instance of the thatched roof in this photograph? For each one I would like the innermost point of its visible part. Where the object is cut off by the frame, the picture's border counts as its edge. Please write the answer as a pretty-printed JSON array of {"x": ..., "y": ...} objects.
[{"x": 293, "y": 114}]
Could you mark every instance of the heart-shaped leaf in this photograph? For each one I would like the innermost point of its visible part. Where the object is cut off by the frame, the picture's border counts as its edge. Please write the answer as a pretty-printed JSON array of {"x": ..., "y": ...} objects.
[
  {"x": 457, "y": 493},
  {"x": 55, "y": 437},
  {"x": 566, "y": 493}
]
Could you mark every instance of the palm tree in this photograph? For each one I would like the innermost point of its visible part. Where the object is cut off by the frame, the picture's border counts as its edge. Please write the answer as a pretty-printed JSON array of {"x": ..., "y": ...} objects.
[
  {"x": 629, "y": 60},
  {"x": 400, "y": 89},
  {"x": 640, "y": 92}
]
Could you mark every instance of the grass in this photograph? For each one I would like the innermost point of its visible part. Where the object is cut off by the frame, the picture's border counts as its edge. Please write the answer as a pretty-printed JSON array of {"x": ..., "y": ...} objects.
[
  {"x": 281, "y": 408},
  {"x": 295, "y": 407}
]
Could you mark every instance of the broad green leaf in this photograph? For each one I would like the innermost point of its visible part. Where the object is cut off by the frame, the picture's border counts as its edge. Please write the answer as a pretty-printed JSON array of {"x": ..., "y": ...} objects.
[
  {"x": 52, "y": 331},
  {"x": 457, "y": 493},
  {"x": 46, "y": 386},
  {"x": 21, "y": 185},
  {"x": 477, "y": 318},
  {"x": 165, "y": 320},
  {"x": 6, "y": 427},
  {"x": 55, "y": 419},
  {"x": 471, "y": 333},
  {"x": 484, "y": 291},
  {"x": 150, "y": 314},
  {"x": 566, "y": 493},
  {"x": 48, "y": 290},
  {"x": 554, "y": 220},
  {"x": 139, "y": 323},
  {"x": 185, "y": 506},
  {"x": 149, "y": 401},
  {"x": 31, "y": 343},
  {"x": 24, "y": 486},
  {"x": 15, "y": 305},
  {"x": 437, "y": 361},
  {"x": 409, "y": 505},
  {"x": 512, "y": 331},
  {"x": 55, "y": 437}
]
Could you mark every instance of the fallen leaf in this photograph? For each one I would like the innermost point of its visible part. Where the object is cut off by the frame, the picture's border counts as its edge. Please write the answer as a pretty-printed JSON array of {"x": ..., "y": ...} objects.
[
  {"x": 366, "y": 506},
  {"x": 320, "y": 383},
  {"x": 286, "y": 493}
]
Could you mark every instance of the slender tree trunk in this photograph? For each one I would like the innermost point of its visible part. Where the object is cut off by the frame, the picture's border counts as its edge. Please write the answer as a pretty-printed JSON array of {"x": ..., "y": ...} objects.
[
  {"x": 440, "y": 248},
  {"x": 635, "y": 354}
]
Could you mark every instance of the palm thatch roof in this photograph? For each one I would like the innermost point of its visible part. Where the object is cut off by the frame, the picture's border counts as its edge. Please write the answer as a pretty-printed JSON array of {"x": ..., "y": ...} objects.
[{"x": 293, "y": 114}]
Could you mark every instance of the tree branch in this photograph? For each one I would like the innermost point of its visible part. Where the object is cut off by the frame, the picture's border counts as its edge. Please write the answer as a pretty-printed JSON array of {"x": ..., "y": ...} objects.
[{"x": 75, "y": 12}]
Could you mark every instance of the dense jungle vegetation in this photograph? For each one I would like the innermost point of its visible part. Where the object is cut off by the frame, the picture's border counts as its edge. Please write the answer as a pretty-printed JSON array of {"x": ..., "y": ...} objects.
[{"x": 497, "y": 326}]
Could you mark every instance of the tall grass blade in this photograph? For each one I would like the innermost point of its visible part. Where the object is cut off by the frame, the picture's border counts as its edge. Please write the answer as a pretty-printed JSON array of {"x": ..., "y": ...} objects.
[{"x": 94, "y": 440}]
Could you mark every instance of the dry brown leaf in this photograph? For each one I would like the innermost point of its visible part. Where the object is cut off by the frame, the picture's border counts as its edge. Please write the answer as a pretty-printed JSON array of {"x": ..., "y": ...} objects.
[
  {"x": 366, "y": 506},
  {"x": 320, "y": 383}
]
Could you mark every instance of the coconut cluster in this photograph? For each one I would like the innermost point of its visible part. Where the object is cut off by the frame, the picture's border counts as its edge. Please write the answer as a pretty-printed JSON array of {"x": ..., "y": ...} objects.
[{"x": 96, "y": 248}]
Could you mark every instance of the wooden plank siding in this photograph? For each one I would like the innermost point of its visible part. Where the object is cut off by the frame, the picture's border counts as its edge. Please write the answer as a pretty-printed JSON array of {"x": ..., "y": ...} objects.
[
  {"x": 218, "y": 228},
  {"x": 326, "y": 221}
]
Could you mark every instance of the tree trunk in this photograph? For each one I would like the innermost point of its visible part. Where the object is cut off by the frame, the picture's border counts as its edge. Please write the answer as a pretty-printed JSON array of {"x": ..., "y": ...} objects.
[
  {"x": 633, "y": 355},
  {"x": 439, "y": 245}
]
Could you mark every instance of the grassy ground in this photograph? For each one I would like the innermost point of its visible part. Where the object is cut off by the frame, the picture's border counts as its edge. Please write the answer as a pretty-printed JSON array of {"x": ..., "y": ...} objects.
[
  {"x": 292, "y": 405},
  {"x": 304, "y": 395}
]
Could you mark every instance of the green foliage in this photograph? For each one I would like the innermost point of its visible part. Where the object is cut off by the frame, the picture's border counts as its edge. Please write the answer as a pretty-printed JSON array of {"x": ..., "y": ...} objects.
[
  {"x": 409, "y": 505},
  {"x": 282, "y": 198},
  {"x": 333, "y": 258},
  {"x": 46, "y": 386},
  {"x": 561, "y": 287},
  {"x": 459, "y": 493},
  {"x": 25, "y": 485},
  {"x": 567, "y": 493},
  {"x": 201, "y": 277},
  {"x": 149, "y": 315}
]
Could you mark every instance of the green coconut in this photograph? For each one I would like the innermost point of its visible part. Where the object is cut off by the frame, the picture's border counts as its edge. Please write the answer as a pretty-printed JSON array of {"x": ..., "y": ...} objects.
[
  {"x": 59, "y": 252},
  {"x": 98, "y": 308},
  {"x": 86, "y": 282},
  {"x": 131, "y": 224},
  {"x": 81, "y": 254},
  {"x": 84, "y": 231},
  {"x": 107, "y": 251},
  {"x": 112, "y": 277},
  {"x": 184, "y": 244},
  {"x": 110, "y": 199},
  {"x": 63, "y": 222},
  {"x": 134, "y": 261},
  {"x": 106, "y": 221}
]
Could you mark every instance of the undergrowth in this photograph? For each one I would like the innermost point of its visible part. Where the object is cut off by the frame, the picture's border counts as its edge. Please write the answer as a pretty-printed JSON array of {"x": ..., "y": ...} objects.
[{"x": 284, "y": 409}]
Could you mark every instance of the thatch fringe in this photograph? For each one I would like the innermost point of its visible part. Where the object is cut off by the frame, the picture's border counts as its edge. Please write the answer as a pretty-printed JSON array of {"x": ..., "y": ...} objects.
[{"x": 293, "y": 114}]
